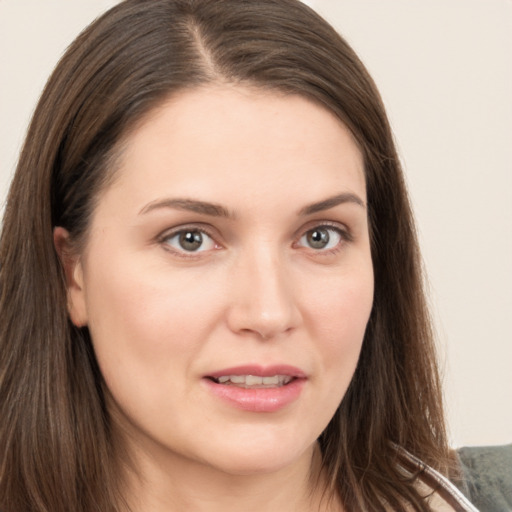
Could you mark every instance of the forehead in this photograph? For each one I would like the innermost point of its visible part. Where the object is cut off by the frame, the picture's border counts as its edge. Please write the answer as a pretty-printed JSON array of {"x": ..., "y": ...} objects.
[{"x": 243, "y": 143}]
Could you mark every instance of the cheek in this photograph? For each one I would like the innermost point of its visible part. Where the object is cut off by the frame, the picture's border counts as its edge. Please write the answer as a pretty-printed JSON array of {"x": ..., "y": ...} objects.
[
  {"x": 341, "y": 304},
  {"x": 146, "y": 337},
  {"x": 337, "y": 316},
  {"x": 144, "y": 323}
]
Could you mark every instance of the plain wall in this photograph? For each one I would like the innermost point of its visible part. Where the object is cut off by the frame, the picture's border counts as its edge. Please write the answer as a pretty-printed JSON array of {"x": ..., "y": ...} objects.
[{"x": 444, "y": 69}]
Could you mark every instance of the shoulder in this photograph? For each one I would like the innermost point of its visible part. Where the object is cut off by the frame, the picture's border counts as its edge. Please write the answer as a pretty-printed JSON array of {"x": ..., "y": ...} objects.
[{"x": 487, "y": 476}]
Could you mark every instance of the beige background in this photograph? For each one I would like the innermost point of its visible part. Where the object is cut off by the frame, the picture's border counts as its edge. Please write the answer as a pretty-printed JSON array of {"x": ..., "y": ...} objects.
[{"x": 444, "y": 68}]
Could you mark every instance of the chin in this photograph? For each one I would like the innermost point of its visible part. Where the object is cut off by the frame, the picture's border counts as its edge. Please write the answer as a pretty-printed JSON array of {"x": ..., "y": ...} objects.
[{"x": 263, "y": 457}]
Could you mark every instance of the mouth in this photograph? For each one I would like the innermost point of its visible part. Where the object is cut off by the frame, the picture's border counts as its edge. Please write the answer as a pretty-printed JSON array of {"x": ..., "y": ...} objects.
[
  {"x": 253, "y": 381},
  {"x": 257, "y": 388}
]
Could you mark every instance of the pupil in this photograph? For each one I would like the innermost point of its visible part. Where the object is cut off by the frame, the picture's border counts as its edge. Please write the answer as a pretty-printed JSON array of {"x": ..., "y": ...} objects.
[
  {"x": 318, "y": 238},
  {"x": 191, "y": 240}
]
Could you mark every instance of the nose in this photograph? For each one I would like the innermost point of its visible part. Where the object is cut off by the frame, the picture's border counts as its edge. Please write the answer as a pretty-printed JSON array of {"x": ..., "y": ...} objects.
[{"x": 263, "y": 302}]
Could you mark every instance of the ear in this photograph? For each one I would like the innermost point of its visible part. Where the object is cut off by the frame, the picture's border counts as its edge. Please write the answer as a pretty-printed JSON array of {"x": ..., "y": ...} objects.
[{"x": 73, "y": 272}]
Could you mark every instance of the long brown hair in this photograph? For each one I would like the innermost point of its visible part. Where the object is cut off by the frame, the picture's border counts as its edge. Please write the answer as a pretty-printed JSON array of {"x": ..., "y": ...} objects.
[{"x": 57, "y": 451}]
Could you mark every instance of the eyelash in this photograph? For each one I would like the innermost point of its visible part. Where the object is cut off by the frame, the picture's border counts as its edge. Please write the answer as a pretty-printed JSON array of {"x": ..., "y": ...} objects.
[
  {"x": 167, "y": 236},
  {"x": 343, "y": 233},
  {"x": 344, "y": 237}
]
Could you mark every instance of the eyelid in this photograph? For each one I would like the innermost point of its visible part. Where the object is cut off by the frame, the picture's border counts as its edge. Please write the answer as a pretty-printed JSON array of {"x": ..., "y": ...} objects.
[
  {"x": 172, "y": 232},
  {"x": 343, "y": 231},
  {"x": 338, "y": 226}
]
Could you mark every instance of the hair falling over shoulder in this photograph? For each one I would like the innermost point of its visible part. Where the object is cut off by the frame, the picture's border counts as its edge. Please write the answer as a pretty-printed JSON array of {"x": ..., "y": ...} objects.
[{"x": 57, "y": 452}]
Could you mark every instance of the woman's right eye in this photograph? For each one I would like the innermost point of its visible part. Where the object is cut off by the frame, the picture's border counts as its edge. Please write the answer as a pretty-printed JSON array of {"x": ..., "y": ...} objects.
[{"x": 190, "y": 240}]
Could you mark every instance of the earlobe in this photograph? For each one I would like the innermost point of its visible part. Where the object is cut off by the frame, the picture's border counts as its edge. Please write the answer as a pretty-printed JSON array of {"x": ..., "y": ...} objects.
[{"x": 73, "y": 272}]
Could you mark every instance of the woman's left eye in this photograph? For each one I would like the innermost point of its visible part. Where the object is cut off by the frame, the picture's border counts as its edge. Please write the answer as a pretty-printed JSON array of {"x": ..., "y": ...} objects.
[
  {"x": 190, "y": 240},
  {"x": 321, "y": 238}
]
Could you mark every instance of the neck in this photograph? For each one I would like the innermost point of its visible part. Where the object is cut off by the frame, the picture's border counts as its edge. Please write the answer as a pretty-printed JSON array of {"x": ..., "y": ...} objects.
[{"x": 172, "y": 483}]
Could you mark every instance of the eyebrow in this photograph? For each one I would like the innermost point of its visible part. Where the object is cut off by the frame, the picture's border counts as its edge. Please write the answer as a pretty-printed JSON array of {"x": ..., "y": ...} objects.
[
  {"x": 331, "y": 202},
  {"x": 191, "y": 205},
  {"x": 217, "y": 210}
]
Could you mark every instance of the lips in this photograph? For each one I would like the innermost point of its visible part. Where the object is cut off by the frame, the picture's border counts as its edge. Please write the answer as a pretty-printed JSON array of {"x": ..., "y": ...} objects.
[{"x": 257, "y": 388}]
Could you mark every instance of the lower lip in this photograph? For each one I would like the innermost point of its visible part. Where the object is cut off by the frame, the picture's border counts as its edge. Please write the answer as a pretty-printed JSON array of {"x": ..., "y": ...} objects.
[{"x": 258, "y": 399}]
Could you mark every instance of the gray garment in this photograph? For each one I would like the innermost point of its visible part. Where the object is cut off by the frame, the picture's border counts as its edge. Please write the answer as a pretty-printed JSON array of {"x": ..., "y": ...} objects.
[{"x": 487, "y": 477}]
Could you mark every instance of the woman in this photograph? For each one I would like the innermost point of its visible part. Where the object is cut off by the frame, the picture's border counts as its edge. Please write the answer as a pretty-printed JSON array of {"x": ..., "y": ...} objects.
[{"x": 211, "y": 293}]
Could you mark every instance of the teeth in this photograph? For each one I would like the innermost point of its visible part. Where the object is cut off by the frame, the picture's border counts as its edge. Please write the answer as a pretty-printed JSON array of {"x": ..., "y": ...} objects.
[
  {"x": 251, "y": 380},
  {"x": 255, "y": 381}
]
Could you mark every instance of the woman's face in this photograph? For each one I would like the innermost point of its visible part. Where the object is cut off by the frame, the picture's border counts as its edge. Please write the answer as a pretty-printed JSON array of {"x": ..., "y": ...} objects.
[{"x": 227, "y": 279}]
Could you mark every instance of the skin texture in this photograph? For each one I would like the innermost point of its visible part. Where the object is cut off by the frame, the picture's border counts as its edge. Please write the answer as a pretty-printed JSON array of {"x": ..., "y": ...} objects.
[{"x": 255, "y": 292}]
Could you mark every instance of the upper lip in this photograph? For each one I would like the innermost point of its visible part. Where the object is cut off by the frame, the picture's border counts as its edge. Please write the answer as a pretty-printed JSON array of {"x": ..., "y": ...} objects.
[{"x": 260, "y": 371}]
